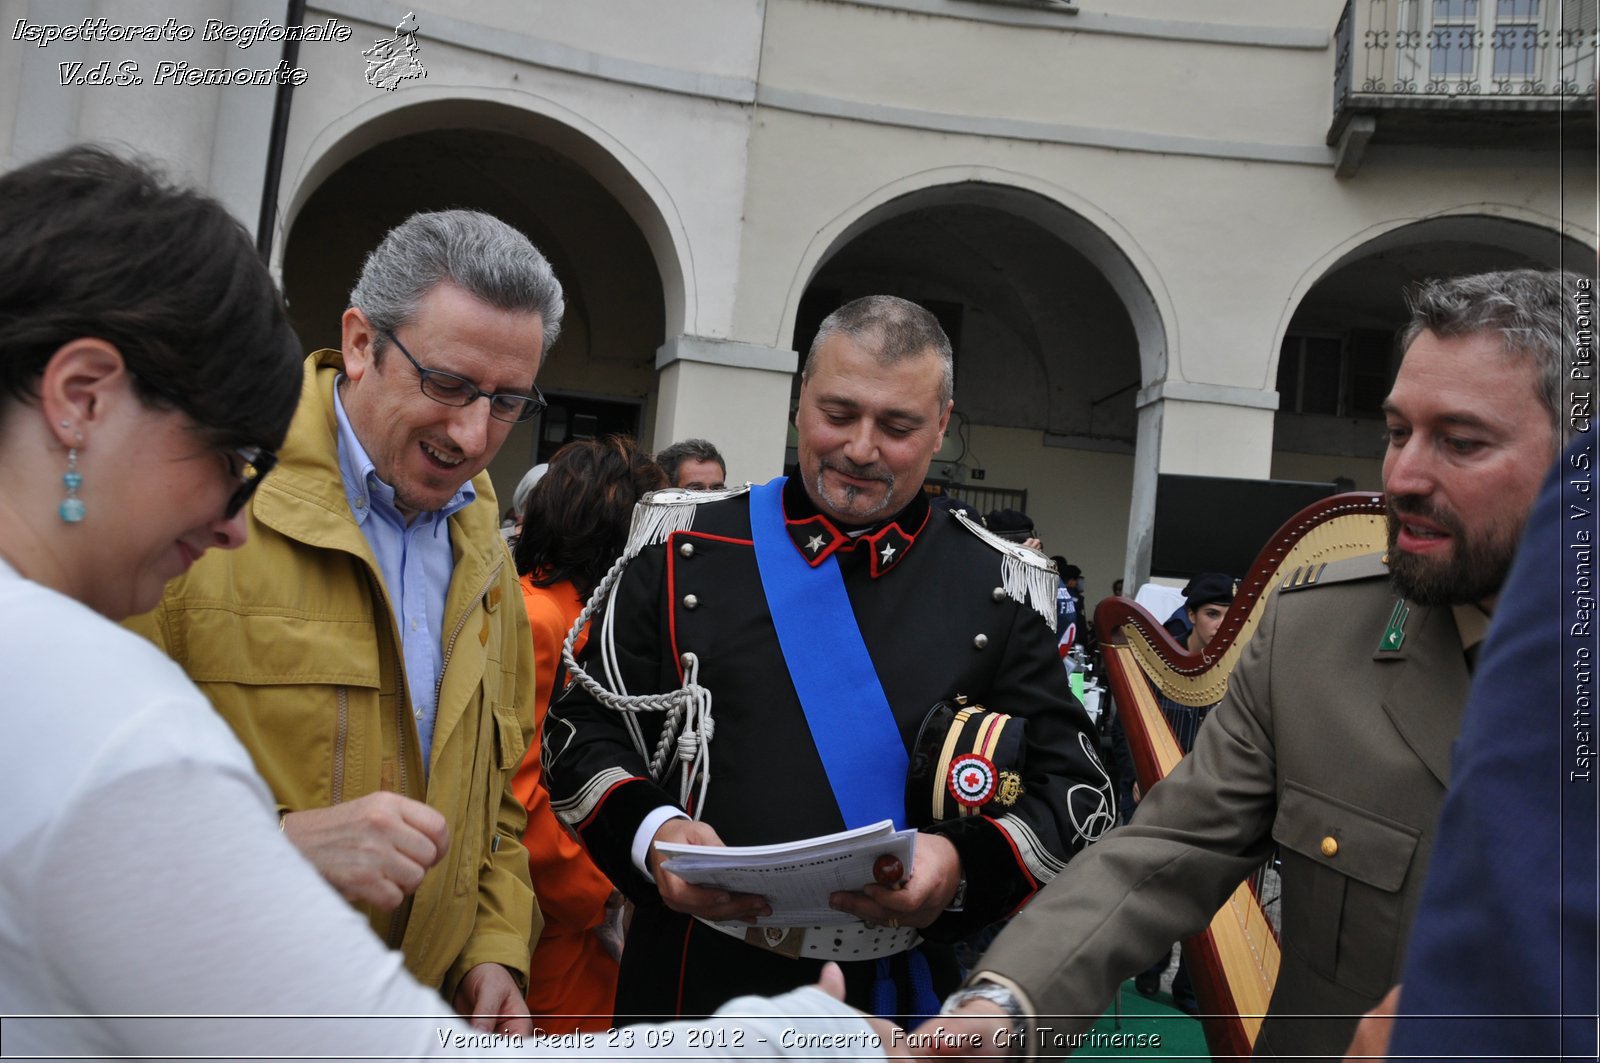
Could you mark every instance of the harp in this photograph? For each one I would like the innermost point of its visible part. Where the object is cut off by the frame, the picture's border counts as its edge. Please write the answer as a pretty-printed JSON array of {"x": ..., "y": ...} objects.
[{"x": 1233, "y": 962}]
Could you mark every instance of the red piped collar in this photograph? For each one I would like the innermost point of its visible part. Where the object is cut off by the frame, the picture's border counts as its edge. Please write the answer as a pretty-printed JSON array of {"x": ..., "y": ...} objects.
[{"x": 818, "y": 538}]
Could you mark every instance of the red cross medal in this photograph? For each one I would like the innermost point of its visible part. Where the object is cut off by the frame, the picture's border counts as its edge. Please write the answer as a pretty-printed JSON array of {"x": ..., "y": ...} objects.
[{"x": 972, "y": 780}]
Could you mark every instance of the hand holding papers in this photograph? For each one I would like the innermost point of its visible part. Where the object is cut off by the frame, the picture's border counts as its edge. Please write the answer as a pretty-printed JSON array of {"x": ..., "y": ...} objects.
[{"x": 796, "y": 878}]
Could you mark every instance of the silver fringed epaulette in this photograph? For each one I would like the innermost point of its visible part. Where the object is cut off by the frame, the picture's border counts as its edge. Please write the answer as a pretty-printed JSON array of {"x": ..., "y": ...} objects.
[
  {"x": 1027, "y": 576},
  {"x": 660, "y": 513},
  {"x": 686, "y": 729}
]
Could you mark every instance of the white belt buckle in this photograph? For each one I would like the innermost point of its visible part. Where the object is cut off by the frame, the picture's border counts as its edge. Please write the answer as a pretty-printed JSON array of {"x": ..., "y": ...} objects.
[
  {"x": 784, "y": 940},
  {"x": 847, "y": 941}
]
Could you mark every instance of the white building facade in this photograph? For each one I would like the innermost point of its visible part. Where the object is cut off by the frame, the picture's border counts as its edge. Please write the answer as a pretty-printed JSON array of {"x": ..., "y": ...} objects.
[{"x": 1167, "y": 236}]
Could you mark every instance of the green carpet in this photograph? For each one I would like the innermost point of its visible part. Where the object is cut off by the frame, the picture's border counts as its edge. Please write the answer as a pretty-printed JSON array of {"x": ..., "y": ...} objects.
[{"x": 1148, "y": 1028}]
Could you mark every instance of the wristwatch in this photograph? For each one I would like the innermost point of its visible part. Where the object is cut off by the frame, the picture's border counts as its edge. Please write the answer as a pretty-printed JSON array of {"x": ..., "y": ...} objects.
[{"x": 994, "y": 993}]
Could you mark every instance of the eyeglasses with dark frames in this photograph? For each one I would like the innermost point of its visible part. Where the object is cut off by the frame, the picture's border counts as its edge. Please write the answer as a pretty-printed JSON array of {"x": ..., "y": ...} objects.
[
  {"x": 254, "y": 464},
  {"x": 453, "y": 390}
]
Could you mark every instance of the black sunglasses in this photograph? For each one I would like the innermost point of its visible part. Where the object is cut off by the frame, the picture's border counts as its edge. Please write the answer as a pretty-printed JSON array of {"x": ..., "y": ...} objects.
[{"x": 256, "y": 463}]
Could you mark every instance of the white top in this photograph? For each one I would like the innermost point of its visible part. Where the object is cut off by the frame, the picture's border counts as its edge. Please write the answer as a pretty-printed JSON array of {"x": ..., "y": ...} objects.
[
  {"x": 142, "y": 873},
  {"x": 1160, "y": 600}
]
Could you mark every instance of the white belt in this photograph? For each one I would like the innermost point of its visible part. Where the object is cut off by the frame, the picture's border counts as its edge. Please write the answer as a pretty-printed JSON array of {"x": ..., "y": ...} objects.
[{"x": 848, "y": 941}]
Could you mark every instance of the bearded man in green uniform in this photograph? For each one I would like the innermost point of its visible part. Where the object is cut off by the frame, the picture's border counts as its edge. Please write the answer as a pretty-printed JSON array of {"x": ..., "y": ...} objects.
[{"x": 1333, "y": 742}]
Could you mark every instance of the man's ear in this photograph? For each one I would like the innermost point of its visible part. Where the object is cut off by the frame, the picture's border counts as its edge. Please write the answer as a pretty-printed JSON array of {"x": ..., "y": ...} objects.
[
  {"x": 80, "y": 383},
  {"x": 944, "y": 422},
  {"x": 357, "y": 341}
]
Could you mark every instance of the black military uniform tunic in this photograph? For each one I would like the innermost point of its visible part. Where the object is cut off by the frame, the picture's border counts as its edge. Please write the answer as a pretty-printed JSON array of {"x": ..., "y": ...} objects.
[{"x": 926, "y": 593}]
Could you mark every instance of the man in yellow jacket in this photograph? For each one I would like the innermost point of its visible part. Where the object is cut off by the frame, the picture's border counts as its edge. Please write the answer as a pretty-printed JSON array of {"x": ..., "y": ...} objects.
[{"x": 369, "y": 644}]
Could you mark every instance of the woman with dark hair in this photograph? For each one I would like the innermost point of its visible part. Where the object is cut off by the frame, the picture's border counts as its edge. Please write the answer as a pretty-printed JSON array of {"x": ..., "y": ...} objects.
[
  {"x": 148, "y": 901},
  {"x": 574, "y": 526}
]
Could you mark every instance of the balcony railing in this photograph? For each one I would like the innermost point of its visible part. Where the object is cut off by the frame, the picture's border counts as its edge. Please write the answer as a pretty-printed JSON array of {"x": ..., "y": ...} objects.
[
  {"x": 1436, "y": 67},
  {"x": 1465, "y": 48}
]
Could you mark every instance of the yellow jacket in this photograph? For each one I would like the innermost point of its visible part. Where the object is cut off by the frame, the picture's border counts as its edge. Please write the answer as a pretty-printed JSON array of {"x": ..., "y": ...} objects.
[{"x": 293, "y": 640}]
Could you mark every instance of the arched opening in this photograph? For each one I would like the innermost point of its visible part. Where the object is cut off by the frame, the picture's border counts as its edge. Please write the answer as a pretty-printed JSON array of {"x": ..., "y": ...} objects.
[{"x": 1340, "y": 349}]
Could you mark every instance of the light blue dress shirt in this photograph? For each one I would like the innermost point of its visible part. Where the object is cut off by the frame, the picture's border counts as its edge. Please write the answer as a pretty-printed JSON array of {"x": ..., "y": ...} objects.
[{"x": 416, "y": 563}]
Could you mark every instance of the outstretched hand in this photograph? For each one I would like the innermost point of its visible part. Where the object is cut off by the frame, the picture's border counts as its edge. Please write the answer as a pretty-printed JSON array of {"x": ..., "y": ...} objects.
[
  {"x": 978, "y": 1029},
  {"x": 893, "y": 1039}
]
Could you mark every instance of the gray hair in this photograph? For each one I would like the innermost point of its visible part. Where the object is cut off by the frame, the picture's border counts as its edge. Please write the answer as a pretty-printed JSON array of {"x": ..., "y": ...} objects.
[
  {"x": 697, "y": 449},
  {"x": 895, "y": 329},
  {"x": 476, "y": 252},
  {"x": 1532, "y": 310}
]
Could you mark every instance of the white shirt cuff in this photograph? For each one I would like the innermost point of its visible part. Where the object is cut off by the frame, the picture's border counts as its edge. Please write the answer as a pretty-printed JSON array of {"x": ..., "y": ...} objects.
[{"x": 646, "y": 832}]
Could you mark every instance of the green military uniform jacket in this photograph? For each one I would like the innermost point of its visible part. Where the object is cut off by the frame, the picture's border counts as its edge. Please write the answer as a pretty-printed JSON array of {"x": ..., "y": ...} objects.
[
  {"x": 1333, "y": 743},
  {"x": 293, "y": 639}
]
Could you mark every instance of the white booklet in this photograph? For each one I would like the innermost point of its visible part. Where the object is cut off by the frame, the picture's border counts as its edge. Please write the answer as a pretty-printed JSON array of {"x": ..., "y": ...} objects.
[{"x": 796, "y": 877}]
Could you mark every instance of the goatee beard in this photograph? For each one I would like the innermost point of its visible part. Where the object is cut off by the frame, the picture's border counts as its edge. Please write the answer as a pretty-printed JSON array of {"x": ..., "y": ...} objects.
[
  {"x": 851, "y": 493},
  {"x": 1475, "y": 570}
]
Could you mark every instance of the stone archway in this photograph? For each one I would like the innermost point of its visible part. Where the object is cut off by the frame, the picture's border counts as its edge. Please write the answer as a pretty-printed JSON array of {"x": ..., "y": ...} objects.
[{"x": 1338, "y": 354}]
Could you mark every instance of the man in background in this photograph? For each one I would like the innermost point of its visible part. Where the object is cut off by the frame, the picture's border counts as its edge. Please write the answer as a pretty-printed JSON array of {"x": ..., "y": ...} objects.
[
  {"x": 1206, "y": 601},
  {"x": 694, "y": 465}
]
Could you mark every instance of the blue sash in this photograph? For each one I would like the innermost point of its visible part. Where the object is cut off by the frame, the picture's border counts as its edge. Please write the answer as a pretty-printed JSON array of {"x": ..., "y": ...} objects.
[{"x": 851, "y": 723}]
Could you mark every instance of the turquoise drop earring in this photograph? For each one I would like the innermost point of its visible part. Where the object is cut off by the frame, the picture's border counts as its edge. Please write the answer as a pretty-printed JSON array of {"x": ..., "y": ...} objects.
[{"x": 72, "y": 505}]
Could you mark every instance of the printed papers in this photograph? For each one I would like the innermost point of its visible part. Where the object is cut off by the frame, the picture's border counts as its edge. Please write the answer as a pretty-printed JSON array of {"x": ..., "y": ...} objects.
[{"x": 796, "y": 878}]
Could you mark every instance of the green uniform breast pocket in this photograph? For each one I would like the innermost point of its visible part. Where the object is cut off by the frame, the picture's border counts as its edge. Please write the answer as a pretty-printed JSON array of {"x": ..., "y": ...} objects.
[{"x": 1343, "y": 868}]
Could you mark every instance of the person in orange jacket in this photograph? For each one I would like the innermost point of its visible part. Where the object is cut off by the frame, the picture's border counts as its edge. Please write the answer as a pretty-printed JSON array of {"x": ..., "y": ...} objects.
[{"x": 574, "y": 525}]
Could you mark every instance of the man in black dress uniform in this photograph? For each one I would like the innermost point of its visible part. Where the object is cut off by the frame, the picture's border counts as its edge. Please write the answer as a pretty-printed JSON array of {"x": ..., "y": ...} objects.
[{"x": 802, "y": 717}]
